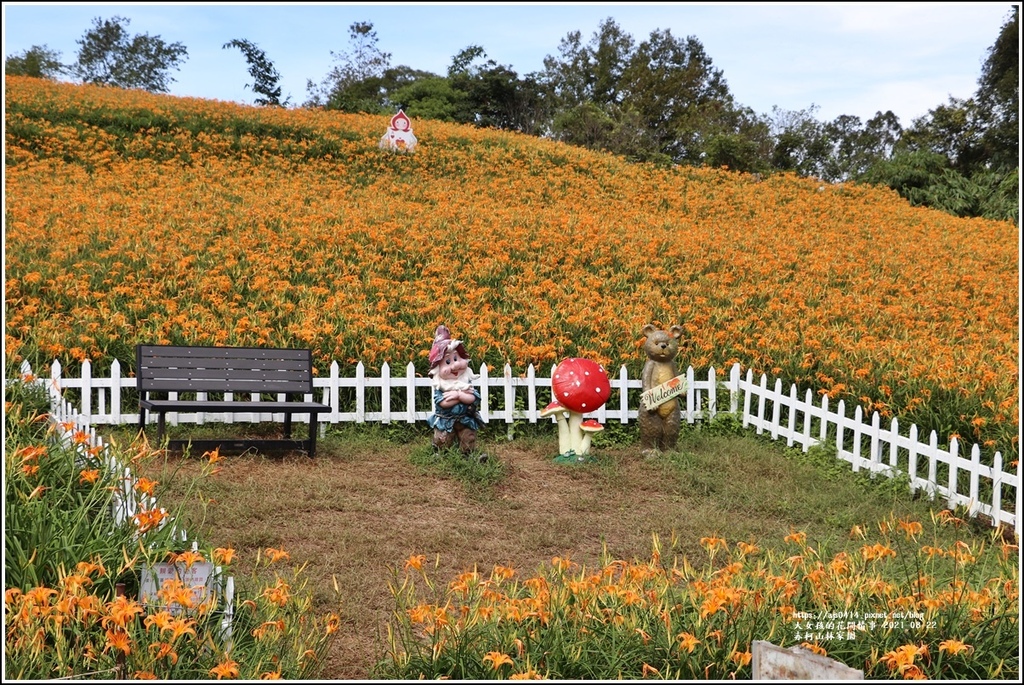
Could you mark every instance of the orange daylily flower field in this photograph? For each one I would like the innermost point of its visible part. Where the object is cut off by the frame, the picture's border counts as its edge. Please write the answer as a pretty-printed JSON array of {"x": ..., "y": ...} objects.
[{"x": 133, "y": 217}]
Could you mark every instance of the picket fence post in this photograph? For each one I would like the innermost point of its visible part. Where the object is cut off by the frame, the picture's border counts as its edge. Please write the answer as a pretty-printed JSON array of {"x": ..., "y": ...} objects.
[
  {"x": 360, "y": 393},
  {"x": 531, "y": 394},
  {"x": 712, "y": 395},
  {"x": 734, "y": 388},
  {"x": 912, "y": 459},
  {"x": 485, "y": 394},
  {"x": 933, "y": 468},
  {"x": 954, "y": 450},
  {"x": 385, "y": 393},
  {"x": 410, "y": 392},
  {"x": 623, "y": 395},
  {"x": 972, "y": 492}
]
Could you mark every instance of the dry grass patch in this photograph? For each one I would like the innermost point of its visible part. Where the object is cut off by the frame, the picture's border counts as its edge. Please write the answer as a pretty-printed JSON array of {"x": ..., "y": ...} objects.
[{"x": 376, "y": 496}]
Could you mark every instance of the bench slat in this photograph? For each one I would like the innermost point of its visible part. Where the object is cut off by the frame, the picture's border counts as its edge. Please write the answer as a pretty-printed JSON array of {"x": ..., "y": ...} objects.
[
  {"x": 297, "y": 365},
  {"x": 224, "y": 385},
  {"x": 200, "y": 352},
  {"x": 269, "y": 375},
  {"x": 237, "y": 407}
]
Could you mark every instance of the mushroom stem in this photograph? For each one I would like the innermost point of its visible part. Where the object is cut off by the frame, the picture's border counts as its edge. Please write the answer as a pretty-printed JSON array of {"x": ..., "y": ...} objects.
[
  {"x": 585, "y": 444},
  {"x": 575, "y": 434},
  {"x": 564, "y": 443}
]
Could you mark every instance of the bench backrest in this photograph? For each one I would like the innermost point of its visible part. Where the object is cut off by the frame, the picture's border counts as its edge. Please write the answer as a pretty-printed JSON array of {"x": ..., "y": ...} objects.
[{"x": 169, "y": 368}]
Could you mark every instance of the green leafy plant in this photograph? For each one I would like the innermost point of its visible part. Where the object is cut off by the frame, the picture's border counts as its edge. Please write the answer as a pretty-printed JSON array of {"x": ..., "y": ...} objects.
[{"x": 72, "y": 573}]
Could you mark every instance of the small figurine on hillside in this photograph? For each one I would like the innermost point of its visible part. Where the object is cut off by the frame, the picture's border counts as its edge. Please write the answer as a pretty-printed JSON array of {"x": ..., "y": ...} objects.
[
  {"x": 399, "y": 136},
  {"x": 456, "y": 417},
  {"x": 659, "y": 415}
]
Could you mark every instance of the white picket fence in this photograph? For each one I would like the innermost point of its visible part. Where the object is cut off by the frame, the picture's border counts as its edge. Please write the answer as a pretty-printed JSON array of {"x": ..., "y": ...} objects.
[{"x": 939, "y": 471}]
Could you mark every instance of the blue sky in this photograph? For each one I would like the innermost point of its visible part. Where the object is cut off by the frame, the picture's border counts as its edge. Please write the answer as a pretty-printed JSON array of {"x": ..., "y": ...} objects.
[{"x": 843, "y": 58}]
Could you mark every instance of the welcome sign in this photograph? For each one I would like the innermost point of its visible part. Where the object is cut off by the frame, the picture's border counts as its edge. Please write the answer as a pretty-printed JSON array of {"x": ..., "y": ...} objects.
[{"x": 660, "y": 394}]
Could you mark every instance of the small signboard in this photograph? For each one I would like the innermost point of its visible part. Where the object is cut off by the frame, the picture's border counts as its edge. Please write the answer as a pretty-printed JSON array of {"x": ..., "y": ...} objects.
[
  {"x": 771, "y": 662},
  {"x": 660, "y": 394},
  {"x": 197, "y": 577}
]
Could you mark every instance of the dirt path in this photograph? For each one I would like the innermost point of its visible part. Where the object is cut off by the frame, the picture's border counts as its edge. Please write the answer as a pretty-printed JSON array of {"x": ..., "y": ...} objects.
[{"x": 355, "y": 516}]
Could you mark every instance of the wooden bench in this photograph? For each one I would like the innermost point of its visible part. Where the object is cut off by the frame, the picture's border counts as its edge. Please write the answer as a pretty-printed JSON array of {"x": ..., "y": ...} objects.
[{"x": 165, "y": 369}]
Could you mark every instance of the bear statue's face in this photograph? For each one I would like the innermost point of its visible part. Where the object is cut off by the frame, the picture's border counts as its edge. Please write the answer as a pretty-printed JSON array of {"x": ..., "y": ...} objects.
[{"x": 661, "y": 346}]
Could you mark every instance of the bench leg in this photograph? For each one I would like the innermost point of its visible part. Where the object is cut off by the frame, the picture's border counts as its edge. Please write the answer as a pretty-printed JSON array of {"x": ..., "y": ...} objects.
[
  {"x": 287, "y": 426},
  {"x": 161, "y": 425},
  {"x": 312, "y": 435}
]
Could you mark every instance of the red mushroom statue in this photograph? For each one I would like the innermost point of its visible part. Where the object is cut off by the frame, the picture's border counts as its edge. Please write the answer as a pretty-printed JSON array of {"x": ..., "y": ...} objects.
[{"x": 580, "y": 386}]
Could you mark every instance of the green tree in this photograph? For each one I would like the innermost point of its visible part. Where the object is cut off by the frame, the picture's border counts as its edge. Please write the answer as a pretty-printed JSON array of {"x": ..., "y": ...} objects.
[
  {"x": 659, "y": 99},
  {"x": 264, "y": 74},
  {"x": 954, "y": 130},
  {"x": 38, "y": 61},
  {"x": 107, "y": 55},
  {"x": 430, "y": 97},
  {"x": 355, "y": 80},
  {"x": 856, "y": 146},
  {"x": 678, "y": 94},
  {"x": 492, "y": 94},
  {"x": 998, "y": 97},
  {"x": 802, "y": 143}
]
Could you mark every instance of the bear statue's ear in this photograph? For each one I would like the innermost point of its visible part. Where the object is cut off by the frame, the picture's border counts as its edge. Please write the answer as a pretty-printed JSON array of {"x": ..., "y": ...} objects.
[
  {"x": 647, "y": 330},
  {"x": 676, "y": 331}
]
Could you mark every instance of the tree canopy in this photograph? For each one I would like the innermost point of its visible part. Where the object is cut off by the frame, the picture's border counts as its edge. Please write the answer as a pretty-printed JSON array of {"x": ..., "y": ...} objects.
[
  {"x": 264, "y": 74},
  {"x": 39, "y": 61},
  {"x": 107, "y": 55}
]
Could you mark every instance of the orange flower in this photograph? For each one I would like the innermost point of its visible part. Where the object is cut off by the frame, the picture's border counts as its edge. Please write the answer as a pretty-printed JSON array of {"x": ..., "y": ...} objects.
[
  {"x": 497, "y": 659},
  {"x": 687, "y": 642},
  {"x": 161, "y": 619},
  {"x": 798, "y": 538},
  {"x": 415, "y": 562},
  {"x": 333, "y": 621},
  {"x": 911, "y": 528},
  {"x": 223, "y": 555},
  {"x": 713, "y": 542},
  {"x": 276, "y": 554},
  {"x": 747, "y": 549},
  {"x": 528, "y": 674},
  {"x": 279, "y": 594},
  {"x": 89, "y": 476},
  {"x": 164, "y": 649},
  {"x": 226, "y": 669},
  {"x": 181, "y": 626},
  {"x": 914, "y": 673},
  {"x": 119, "y": 640},
  {"x": 902, "y": 658},
  {"x": 876, "y": 551},
  {"x": 121, "y": 611},
  {"x": 954, "y": 647}
]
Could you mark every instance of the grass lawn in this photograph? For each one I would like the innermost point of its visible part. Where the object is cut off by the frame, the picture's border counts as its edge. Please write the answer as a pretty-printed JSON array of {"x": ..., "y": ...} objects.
[{"x": 375, "y": 495}]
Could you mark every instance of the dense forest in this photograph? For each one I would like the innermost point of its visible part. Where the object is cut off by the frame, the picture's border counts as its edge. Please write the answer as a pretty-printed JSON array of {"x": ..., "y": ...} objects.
[{"x": 658, "y": 100}]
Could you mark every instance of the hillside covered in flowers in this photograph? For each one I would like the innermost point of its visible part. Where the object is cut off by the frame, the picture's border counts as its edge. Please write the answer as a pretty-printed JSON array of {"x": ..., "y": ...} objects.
[{"x": 139, "y": 218}]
